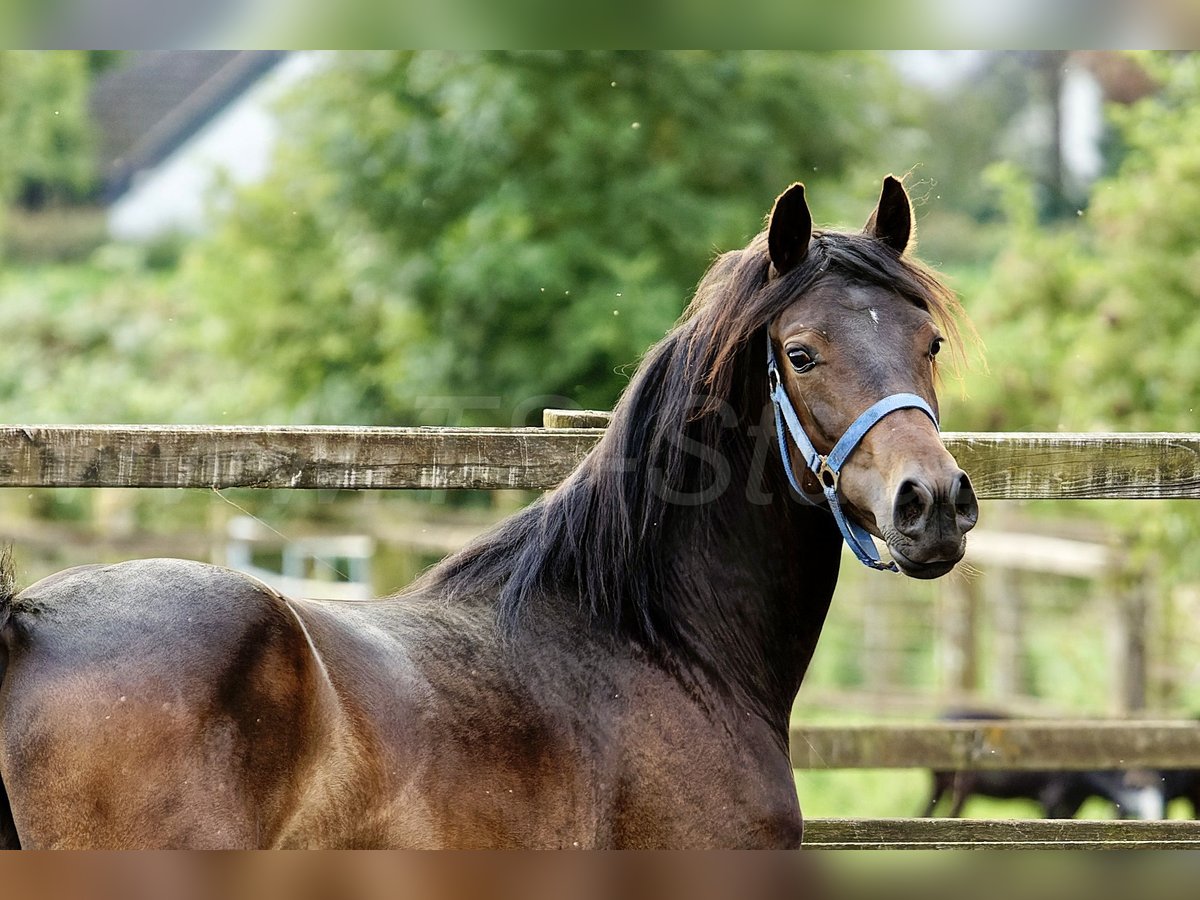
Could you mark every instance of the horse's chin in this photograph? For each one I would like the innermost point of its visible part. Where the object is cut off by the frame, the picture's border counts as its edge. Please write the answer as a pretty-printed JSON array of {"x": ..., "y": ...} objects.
[{"x": 925, "y": 570}]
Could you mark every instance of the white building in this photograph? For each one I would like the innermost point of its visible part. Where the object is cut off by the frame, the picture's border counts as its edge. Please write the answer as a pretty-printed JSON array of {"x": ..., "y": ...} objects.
[{"x": 173, "y": 125}]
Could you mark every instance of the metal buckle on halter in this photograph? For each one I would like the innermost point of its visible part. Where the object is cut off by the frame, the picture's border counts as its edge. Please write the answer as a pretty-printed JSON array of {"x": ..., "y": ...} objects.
[
  {"x": 772, "y": 379},
  {"x": 825, "y": 469}
]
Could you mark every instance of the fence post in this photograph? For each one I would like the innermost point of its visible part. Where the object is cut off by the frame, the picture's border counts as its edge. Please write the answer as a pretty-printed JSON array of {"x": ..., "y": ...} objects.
[
  {"x": 1130, "y": 614},
  {"x": 1008, "y": 611},
  {"x": 1179, "y": 608},
  {"x": 959, "y": 636},
  {"x": 878, "y": 647}
]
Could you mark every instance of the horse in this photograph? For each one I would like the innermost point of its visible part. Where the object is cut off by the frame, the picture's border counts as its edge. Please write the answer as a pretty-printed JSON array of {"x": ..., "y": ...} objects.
[
  {"x": 1060, "y": 793},
  {"x": 1136, "y": 793},
  {"x": 613, "y": 666},
  {"x": 1181, "y": 784}
]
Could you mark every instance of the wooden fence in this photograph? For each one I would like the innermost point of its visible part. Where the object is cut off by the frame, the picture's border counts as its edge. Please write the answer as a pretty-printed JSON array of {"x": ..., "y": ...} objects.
[
  {"x": 1001, "y": 466},
  {"x": 1007, "y": 744}
]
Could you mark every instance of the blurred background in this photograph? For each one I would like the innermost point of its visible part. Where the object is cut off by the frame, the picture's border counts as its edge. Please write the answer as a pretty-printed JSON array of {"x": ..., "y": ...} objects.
[{"x": 464, "y": 238}]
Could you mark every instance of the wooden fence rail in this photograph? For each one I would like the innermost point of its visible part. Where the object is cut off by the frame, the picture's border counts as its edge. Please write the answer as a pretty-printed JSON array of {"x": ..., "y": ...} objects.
[
  {"x": 1008, "y": 834},
  {"x": 1001, "y": 466},
  {"x": 1008, "y": 744},
  {"x": 159, "y": 456}
]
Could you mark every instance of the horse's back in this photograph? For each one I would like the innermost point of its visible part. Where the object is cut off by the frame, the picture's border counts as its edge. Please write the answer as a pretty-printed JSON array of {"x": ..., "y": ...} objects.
[{"x": 154, "y": 702}]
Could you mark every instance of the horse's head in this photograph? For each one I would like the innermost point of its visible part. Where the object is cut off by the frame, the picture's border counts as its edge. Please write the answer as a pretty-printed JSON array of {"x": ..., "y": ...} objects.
[{"x": 840, "y": 346}]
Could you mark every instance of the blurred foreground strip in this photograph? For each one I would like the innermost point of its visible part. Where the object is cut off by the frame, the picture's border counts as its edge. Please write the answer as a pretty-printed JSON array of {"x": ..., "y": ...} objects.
[
  {"x": 467, "y": 23},
  {"x": 401, "y": 875},
  {"x": 698, "y": 875}
]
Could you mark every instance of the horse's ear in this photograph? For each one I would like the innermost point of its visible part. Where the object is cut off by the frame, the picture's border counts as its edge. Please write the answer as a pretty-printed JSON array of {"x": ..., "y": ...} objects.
[
  {"x": 891, "y": 222},
  {"x": 790, "y": 229}
]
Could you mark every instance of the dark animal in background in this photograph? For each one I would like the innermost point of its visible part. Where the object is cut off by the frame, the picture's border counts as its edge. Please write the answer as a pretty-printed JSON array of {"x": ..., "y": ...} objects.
[
  {"x": 1181, "y": 784},
  {"x": 1136, "y": 794},
  {"x": 614, "y": 666}
]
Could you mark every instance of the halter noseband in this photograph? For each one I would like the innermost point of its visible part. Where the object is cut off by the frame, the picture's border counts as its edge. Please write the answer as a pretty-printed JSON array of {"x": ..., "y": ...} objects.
[{"x": 828, "y": 469}]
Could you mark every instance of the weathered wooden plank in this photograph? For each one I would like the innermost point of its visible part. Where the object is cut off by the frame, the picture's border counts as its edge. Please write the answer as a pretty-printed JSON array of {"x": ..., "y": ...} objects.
[
  {"x": 575, "y": 418},
  {"x": 1009, "y": 744},
  {"x": 159, "y": 456},
  {"x": 1057, "y": 466},
  {"x": 1014, "y": 466},
  {"x": 1151, "y": 465},
  {"x": 949, "y": 834}
]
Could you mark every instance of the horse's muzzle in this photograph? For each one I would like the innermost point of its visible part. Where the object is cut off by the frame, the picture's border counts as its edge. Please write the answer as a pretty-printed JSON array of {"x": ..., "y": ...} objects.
[{"x": 930, "y": 519}]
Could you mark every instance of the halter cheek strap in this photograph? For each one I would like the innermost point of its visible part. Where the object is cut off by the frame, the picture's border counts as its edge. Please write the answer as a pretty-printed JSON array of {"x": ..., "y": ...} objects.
[{"x": 828, "y": 469}]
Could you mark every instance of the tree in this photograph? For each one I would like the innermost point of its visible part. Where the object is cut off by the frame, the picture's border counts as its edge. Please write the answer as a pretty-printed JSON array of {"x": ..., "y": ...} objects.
[
  {"x": 1108, "y": 302},
  {"x": 43, "y": 124},
  {"x": 507, "y": 225},
  {"x": 1094, "y": 327}
]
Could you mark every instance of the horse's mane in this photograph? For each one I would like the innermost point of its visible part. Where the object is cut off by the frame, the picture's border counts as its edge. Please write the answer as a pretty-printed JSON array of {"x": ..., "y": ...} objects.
[{"x": 604, "y": 538}]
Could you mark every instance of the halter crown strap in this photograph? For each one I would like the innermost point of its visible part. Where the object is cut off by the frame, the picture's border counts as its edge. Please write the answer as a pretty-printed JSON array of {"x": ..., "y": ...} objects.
[{"x": 828, "y": 469}]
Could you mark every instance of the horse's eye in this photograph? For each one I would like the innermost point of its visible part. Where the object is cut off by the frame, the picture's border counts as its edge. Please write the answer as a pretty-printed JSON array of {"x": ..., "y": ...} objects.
[
  {"x": 800, "y": 359},
  {"x": 936, "y": 347}
]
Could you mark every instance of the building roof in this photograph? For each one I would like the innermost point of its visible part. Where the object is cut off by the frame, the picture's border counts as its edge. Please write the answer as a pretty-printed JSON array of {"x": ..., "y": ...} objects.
[{"x": 147, "y": 108}]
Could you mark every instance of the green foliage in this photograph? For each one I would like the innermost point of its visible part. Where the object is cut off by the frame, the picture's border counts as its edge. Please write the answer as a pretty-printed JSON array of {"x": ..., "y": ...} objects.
[
  {"x": 1028, "y": 309},
  {"x": 312, "y": 308},
  {"x": 43, "y": 124},
  {"x": 514, "y": 225},
  {"x": 1146, "y": 279},
  {"x": 1093, "y": 326},
  {"x": 1096, "y": 323},
  {"x": 110, "y": 343}
]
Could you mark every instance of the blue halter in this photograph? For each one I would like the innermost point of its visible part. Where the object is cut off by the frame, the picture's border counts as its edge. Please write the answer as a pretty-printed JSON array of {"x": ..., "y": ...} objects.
[{"x": 828, "y": 469}]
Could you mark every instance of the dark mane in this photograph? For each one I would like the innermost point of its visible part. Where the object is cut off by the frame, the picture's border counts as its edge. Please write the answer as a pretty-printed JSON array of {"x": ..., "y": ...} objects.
[{"x": 605, "y": 536}]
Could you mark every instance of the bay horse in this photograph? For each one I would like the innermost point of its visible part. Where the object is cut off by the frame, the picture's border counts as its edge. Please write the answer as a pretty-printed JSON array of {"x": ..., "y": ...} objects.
[{"x": 614, "y": 666}]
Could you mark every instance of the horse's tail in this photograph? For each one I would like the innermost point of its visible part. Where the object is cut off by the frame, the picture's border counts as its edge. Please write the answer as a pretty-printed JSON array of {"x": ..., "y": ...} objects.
[{"x": 8, "y": 590}]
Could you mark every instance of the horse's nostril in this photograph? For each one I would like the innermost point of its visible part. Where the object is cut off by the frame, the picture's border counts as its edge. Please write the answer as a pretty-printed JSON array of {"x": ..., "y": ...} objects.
[
  {"x": 966, "y": 506},
  {"x": 911, "y": 509}
]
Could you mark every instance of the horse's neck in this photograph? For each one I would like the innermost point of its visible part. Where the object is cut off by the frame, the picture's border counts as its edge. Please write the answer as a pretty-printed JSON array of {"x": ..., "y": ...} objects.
[{"x": 753, "y": 597}]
